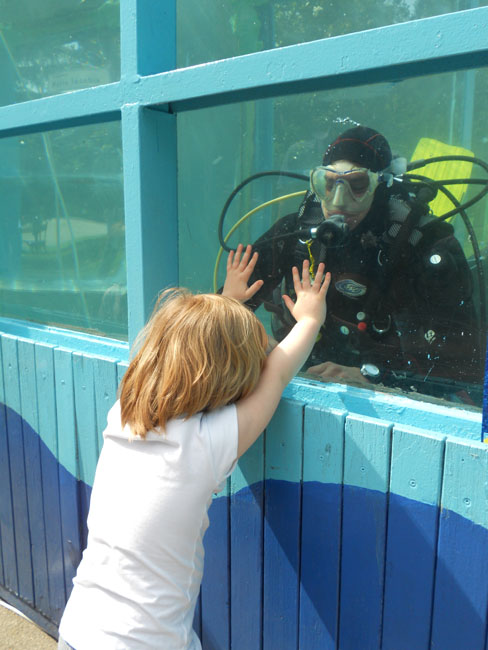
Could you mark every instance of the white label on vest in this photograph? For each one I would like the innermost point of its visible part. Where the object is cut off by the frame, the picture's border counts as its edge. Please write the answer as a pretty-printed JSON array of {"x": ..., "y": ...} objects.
[{"x": 350, "y": 288}]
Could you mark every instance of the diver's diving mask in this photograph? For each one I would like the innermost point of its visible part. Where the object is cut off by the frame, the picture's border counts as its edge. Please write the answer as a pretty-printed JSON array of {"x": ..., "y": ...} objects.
[{"x": 350, "y": 190}]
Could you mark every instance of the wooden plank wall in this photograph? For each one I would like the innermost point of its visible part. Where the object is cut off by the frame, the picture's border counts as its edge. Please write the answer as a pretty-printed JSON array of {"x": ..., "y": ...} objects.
[
  {"x": 336, "y": 531},
  {"x": 53, "y": 411}
]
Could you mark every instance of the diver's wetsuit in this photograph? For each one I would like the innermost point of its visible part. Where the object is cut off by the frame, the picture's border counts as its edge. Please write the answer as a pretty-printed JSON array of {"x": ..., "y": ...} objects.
[{"x": 412, "y": 302}]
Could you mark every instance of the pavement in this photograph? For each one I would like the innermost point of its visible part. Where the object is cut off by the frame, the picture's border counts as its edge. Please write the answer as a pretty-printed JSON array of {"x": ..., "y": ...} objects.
[{"x": 19, "y": 633}]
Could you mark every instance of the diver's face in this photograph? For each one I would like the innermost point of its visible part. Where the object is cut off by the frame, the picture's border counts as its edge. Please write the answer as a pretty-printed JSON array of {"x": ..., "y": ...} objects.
[{"x": 350, "y": 199}]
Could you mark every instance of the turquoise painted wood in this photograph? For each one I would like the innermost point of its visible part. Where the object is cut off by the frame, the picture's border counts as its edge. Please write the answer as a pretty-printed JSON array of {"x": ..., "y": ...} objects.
[
  {"x": 85, "y": 421},
  {"x": 150, "y": 207},
  {"x": 105, "y": 388},
  {"x": 144, "y": 28},
  {"x": 390, "y": 408}
]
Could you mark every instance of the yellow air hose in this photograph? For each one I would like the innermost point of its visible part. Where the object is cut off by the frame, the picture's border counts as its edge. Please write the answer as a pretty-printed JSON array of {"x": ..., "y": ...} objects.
[{"x": 242, "y": 219}]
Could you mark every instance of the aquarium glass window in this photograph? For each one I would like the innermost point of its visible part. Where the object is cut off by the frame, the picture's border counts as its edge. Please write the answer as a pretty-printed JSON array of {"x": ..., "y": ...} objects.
[
  {"x": 62, "y": 250},
  {"x": 54, "y": 46},
  {"x": 437, "y": 116},
  {"x": 214, "y": 29}
]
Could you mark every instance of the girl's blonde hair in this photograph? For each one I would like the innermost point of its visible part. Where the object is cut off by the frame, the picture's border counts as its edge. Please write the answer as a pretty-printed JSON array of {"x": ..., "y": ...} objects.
[{"x": 198, "y": 352}]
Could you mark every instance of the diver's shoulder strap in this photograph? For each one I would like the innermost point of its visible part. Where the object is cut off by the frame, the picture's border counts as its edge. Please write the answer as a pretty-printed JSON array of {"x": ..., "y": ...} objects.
[{"x": 408, "y": 219}]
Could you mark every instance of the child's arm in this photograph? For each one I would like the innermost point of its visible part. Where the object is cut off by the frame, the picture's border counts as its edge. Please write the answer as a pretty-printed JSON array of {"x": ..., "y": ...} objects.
[
  {"x": 255, "y": 411},
  {"x": 238, "y": 273}
]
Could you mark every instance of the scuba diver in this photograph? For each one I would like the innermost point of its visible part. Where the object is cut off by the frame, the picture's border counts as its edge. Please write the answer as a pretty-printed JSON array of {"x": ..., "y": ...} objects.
[{"x": 400, "y": 304}]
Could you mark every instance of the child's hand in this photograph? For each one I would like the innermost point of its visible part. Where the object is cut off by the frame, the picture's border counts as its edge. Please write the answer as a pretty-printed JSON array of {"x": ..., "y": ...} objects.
[
  {"x": 310, "y": 301},
  {"x": 239, "y": 271}
]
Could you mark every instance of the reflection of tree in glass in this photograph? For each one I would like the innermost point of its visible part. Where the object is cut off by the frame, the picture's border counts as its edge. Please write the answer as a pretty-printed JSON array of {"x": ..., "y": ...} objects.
[
  {"x": 212, "y": 29},
  {"x": 55, "y": 47}
]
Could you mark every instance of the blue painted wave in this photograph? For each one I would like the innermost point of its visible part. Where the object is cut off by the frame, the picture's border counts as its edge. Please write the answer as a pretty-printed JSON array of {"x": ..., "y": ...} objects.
[
  {"x": 349, "y": 566},
  {"x": 322, "y": 563},
  {"x": 43, "y": 510}
]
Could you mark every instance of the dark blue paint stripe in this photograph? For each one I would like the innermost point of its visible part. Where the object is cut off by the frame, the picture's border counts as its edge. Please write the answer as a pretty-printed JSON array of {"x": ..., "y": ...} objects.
[
  {"x": 320, "y": 568},
  {"x": 84, "y": 494},
  {"x": 362, "y": 568},
  {"x": 408, "y": 587},
  {"x": 410, "y": 568},
  {"x": 36, "y": 517},
  {"x": 19, "y": 502},
  {"x": 1, "y": 557},
  {"x": 54, "y": 547},
  {"x": 44, "y": 524},
  {"x": 197, "y": 618},
  {"x": 46, "y": 399},
  {"x": 282, "y": 504},
  {"x": 246, "y": 567},
  {"x": 69, "y": 456},
  {"x": 484, "y": 423},
  {"x": 461, "y": 575},
  {"x": 7, "y": 476},
  {"x": 216, "y": 583},
  {"x": 461, "y": 586},
  {"x": 71, "y": 526},
  {"x": 29, "y": 409},
  {"x": 9, "y": 562}
]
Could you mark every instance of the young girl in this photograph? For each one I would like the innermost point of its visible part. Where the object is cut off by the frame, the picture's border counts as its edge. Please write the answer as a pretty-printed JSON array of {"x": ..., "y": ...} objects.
[{"x": 198, "y": 393}]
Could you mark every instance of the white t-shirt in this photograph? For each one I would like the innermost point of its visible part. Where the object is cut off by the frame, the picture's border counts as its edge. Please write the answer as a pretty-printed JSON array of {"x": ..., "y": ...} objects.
[{"x": 139, "y": 578}]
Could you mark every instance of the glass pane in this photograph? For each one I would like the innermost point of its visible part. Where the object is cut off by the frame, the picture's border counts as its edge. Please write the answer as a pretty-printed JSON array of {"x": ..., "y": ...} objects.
[
  {"x": 62, "y": 250},
  {"x": 415, "y": 306},
  {"x": 54, "y": 46},
  {"x": 214, "y": 29}
]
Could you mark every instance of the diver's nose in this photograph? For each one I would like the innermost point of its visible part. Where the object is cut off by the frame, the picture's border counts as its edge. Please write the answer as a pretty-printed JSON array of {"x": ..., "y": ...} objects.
[{"x": 338, "y": 194}]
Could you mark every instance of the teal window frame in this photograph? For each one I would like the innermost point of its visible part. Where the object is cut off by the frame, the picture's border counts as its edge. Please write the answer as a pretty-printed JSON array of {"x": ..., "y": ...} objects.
[{"x": 151, "y": 93}]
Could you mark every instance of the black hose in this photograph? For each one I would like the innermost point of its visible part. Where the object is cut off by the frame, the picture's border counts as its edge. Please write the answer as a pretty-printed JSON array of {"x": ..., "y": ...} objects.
[
  {"x": 416, "y": 164},
  {"x": 239, "y": 187}
]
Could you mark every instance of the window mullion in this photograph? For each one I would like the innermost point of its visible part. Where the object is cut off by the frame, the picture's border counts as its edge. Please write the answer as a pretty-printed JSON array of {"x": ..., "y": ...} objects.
[{"x": 149, "y": 152}]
